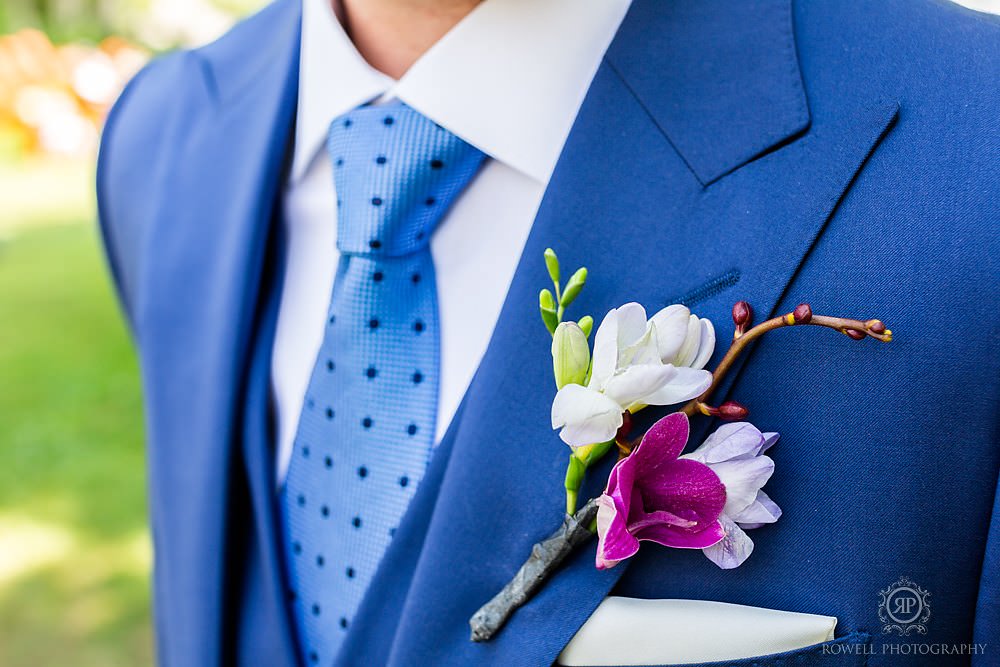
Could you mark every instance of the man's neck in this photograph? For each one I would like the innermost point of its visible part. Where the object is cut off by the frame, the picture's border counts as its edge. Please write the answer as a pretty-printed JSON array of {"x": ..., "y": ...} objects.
[{"x": 392, "y": 34}]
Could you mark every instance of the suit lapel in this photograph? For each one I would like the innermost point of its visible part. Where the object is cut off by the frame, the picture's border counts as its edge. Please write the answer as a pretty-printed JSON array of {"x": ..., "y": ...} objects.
[
  {"x": 206, "y": 252},
  {"x": 640, "y": 198}
]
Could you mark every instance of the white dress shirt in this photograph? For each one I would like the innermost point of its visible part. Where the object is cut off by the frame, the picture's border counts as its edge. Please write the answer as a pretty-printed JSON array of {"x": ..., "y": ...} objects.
[{"x": 509, "y": 79}]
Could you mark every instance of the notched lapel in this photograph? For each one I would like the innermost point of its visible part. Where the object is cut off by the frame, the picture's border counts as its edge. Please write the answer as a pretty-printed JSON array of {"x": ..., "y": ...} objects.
[{"x": 720, "y": 78}]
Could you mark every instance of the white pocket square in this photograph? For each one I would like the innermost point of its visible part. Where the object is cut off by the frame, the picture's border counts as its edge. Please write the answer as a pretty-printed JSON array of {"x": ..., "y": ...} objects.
[{"x": 631, "y": 631}]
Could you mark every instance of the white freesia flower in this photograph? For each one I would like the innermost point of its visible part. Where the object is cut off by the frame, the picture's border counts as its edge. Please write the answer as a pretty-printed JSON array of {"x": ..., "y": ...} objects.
[{"x": 636, "y": 362}]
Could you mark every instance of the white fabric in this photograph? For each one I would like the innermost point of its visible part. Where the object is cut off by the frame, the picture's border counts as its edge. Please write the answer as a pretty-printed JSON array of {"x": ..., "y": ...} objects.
[
  {"x": 630, "y": 631},
  {"x": 509, "y": 79}
]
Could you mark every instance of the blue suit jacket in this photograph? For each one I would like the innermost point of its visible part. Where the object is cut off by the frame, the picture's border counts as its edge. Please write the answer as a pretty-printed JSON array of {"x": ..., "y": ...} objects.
[{"x": 842, "y": 153}]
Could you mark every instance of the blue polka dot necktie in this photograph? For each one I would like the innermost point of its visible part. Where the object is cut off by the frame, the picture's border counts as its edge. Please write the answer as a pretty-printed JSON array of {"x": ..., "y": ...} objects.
[{"x": 367, "y": 426}]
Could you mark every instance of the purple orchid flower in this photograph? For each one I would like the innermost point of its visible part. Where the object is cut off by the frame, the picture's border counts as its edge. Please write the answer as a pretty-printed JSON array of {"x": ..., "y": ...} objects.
[
  {"x": 734, "y": 452},
  {"x": 653, "y": 495}
]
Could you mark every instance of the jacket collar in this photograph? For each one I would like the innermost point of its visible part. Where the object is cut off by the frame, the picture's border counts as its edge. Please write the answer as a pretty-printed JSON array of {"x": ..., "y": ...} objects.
[{"x": 721, "y": 101}]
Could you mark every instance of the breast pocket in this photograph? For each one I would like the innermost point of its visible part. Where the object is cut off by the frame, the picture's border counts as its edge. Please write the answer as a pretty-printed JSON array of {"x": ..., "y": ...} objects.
[{"x": 633, "y": 631}]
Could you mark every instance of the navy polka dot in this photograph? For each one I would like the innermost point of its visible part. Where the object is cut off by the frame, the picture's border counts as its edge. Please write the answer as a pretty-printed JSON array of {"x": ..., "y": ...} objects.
[{"x": 395, "y": 174}]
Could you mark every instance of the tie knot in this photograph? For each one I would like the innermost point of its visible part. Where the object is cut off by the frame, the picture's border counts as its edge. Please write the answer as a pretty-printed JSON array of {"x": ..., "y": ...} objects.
[{"x": 396, "y": 173}]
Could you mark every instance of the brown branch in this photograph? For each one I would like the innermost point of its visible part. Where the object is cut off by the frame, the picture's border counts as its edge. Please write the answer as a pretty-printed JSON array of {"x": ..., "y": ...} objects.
[
  {"x": 545, "y": 558},
  {"x": 802, "y": 315}
]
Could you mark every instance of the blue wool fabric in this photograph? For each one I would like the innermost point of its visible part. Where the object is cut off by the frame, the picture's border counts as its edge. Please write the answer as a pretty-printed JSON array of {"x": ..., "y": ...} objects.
[{"x": 367, "y": 428}]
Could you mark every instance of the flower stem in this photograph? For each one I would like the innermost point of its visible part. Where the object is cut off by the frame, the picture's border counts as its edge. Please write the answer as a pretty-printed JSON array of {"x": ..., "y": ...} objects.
[{"x": 545, "y": 557}]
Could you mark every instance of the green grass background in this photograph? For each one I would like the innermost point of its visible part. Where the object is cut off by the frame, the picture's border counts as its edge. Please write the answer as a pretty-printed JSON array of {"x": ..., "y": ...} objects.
[{"x": 74, "y": 547}]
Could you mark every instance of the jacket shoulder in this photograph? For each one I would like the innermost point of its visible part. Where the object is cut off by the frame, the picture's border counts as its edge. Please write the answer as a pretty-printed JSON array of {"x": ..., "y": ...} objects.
[
  {"x": 132, "y": 138},
  {"x": 147, "y": 127}
]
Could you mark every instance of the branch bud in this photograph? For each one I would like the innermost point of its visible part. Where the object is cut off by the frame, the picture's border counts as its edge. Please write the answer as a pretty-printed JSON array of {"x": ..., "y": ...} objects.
[
  {"x": 876, "y": 326},
  {"x": 625, "y": 428},
  {"x": 855, "y": 334},
  {"x": 742, "y": 317},
  {"x": 732, "y": 411},
  {"x": 587, "y": 324},
  {"x": 802, "y": 314}
]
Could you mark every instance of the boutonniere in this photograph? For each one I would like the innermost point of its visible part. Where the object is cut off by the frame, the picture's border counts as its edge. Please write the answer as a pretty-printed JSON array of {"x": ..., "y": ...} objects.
[{"x": 706, "y": 499}]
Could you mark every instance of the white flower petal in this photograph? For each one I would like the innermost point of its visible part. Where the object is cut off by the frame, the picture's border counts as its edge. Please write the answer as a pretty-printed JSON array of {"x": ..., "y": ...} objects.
[
  {"x": 636, "y": 383},
  {"x": 631, "y": 324},
  {"x": 586, "y": 416},
  {"x": 761, "y": 510},
  {"x": 707, "y": 344},
  {"x": 743, "y": 478},
  {"x": 671, "y": 329},
  {"x": 643, "y": 351},
  {"x": 689, "y": 349},
  {"x": 605, "y": 358},
  {"x": 687, "y": 383},
  {"x": 733, "y": 440},
  {"x": 733, "y": 549}
]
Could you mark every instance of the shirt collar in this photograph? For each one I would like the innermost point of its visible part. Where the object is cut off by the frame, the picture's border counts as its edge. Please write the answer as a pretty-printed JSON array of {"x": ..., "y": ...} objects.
[{"x": 509, "y": 78}]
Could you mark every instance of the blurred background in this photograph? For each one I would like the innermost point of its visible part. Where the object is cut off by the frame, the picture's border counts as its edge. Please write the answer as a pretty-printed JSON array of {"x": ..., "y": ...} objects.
[{"x": 74, "y": 547}]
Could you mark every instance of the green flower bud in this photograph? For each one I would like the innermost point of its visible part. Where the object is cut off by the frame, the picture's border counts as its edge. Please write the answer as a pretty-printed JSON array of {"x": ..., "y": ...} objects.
[
  {"x": 552, "y": 264},
  {"x": 587, "y": 324},
  {"x": 570, "y": 354},
  {"x": 547, "y": 305},
  {"x": 574, "y": 286}
]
